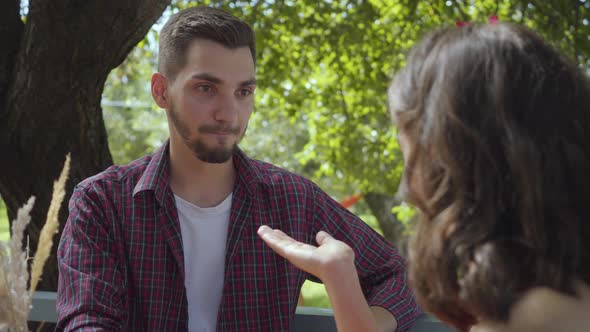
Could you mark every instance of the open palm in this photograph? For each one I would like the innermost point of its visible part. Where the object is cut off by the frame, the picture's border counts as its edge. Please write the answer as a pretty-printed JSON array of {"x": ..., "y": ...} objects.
[{"x": 330, "y": 256}]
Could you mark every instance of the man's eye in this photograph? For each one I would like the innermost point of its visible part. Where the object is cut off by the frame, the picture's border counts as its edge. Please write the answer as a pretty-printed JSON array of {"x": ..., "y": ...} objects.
[
  {"x": 205, "y": 88},
  {"x": 244, "y": 92}
]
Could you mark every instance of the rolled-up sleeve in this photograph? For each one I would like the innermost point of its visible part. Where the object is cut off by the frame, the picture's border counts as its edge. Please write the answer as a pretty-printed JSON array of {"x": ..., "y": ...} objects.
[{"x": 381, "y": 269}]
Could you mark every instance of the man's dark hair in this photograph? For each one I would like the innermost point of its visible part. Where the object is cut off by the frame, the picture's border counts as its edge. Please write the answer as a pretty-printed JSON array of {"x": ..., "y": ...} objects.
[{"x": 200, "y": 22}]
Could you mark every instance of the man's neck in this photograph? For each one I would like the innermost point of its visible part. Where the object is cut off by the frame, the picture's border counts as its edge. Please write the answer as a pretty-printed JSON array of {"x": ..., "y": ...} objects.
[{"x": 200, "y": 183}]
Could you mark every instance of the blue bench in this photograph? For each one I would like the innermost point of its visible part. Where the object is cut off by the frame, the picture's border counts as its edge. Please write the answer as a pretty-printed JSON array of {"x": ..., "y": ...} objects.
[{"x": 307, "y": 319}]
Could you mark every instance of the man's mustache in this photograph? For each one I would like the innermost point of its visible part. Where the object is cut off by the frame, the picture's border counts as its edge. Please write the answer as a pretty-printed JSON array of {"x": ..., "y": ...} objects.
[{"x": 219, "y": 129}]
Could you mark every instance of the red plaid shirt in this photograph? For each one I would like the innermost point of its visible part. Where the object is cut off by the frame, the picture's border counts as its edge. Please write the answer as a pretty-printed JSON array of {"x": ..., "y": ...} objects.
[{"x": 121, "y": 264}]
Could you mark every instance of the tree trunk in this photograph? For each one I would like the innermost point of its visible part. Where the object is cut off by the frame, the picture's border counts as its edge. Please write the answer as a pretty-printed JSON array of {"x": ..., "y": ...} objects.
[
  {"x": 381, "y": 205},
  {"x": 52, "y": 73}
]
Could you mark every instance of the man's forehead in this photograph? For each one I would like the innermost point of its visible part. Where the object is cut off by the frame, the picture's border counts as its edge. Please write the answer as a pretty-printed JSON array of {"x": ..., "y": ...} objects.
[
  {"x": 208, "y": 58},
  {"x": 200, "y": 48}
]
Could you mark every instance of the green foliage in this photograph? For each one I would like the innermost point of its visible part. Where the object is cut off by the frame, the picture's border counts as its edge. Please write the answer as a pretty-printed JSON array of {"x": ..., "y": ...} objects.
[
  {"x": 135, "y": 125},
  {"x": 323, "y": 70},
  {"x": 315, "y": 295},
  {"x": 321, "y": 64},
  {"x": 406, "y": 215}
]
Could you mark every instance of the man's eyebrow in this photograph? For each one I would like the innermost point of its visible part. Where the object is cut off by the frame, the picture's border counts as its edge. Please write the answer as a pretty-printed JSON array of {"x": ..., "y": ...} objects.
[
  {"x": 207, "y": 77},
  {"x": 217, "y": 80},
  {"x": 251, "y": 81}
]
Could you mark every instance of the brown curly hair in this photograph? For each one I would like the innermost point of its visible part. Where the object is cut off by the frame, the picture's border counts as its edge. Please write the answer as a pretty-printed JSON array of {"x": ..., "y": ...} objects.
[{"x": 500, "y": 129}]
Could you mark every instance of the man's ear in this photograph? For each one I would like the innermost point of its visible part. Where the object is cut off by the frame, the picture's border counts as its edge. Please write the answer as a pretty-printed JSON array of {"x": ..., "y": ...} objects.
[{"x": 160, "y": 90}]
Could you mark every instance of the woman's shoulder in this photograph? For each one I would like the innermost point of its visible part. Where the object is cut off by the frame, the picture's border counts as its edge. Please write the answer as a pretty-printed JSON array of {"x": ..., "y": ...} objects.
[{"x": 543, "y": 309}]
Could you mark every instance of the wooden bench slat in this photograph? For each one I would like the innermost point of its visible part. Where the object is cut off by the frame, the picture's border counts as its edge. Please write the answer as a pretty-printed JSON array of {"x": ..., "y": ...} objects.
[{"x": 307, "y": 319}]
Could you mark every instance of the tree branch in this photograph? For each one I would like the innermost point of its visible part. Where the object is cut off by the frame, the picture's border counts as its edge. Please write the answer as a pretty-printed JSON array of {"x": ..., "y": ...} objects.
[
  {"x": 381, "y": 205},
  {"x": 11, "y": 30},
  {"x": 575, "y": 34},
  {"x": 52, "y": 104},
  {"x": 94, "y": 37}
]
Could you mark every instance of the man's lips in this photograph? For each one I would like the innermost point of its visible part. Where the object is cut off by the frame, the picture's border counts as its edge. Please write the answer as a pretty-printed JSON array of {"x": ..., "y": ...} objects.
[
  {"x": 220, "y": 131},
  {"x": 223, "y": 133}
]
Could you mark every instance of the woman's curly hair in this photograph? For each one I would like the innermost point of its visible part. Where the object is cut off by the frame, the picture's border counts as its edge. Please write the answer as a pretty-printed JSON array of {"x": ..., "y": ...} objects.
[{"x": 499, "y": 124}]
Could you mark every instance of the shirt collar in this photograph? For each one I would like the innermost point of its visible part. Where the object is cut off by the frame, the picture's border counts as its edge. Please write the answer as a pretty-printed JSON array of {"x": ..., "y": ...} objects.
[
  {"x": 248, "y": 173},
  {"x": 156, "y": 175}
]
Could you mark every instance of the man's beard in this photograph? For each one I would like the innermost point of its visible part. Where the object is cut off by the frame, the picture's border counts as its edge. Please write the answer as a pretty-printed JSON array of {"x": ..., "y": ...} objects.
[{"x": 204, "y": 153}]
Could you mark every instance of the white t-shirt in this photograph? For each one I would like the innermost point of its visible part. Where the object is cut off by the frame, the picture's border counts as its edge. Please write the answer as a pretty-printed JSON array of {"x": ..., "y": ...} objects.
[{"x": 204, "y": 234}]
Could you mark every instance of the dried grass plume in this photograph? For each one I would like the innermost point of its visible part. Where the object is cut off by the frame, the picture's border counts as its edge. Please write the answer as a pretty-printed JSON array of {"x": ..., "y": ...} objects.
[
  {"x": 50, "y": 228},
  {"x": 15, "y": 299}
]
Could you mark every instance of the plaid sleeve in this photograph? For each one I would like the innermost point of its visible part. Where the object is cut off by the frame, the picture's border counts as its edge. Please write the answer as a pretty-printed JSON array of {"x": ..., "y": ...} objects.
[
  {"x": 88, "y": 294},
  {"x": 381, "y": 269}
]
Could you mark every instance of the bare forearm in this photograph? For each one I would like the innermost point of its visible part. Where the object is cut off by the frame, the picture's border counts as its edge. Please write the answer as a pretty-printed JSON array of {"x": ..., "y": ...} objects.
[
  {"x": 351, "y": 311},
  {"x": 385, "y": 320},
  {"x": 333, "y": 263}
]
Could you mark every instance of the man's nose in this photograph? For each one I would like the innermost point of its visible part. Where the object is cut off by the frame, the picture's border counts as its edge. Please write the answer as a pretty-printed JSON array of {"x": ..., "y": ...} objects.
[{"x": 227, "y": 109}]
